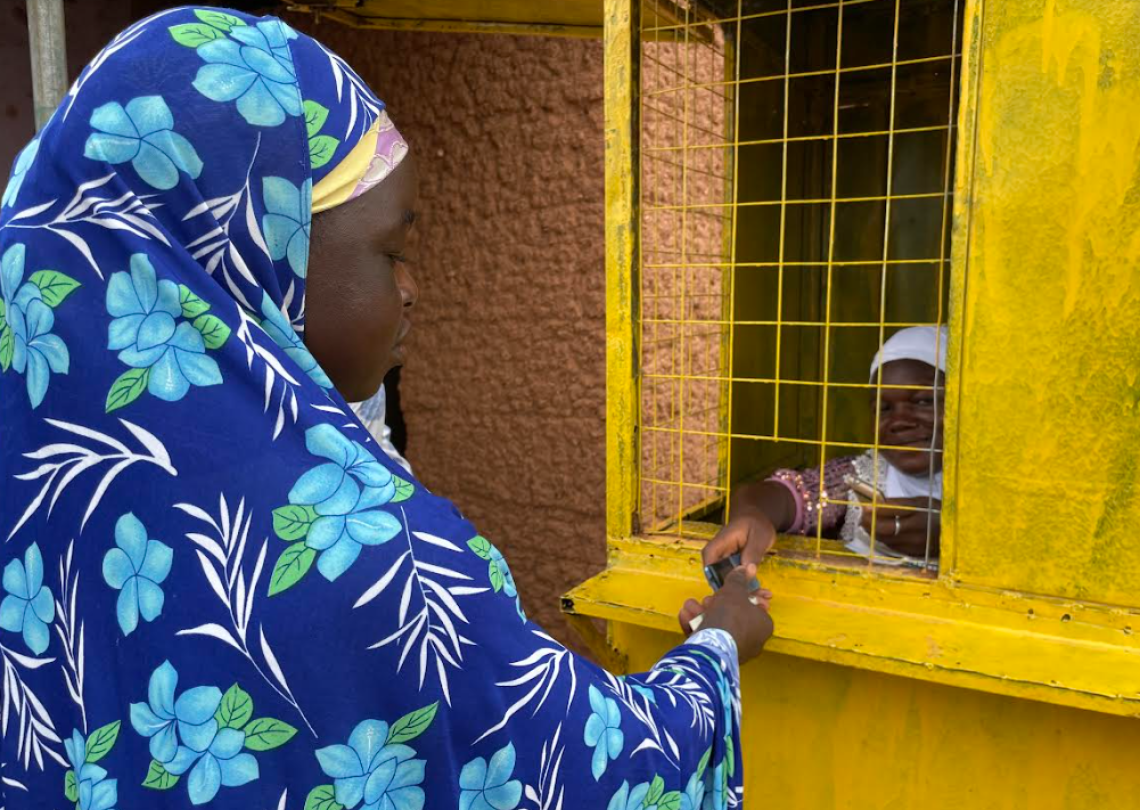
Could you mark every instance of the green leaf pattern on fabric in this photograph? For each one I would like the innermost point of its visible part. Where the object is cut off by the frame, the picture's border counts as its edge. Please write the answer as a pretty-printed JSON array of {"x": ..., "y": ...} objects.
[
  {"x": 292, "y": 523},
  {"x": 412, "y": 725},
  {"x": 315, "y": 116},
  {"x": 321, "y": 150},
  {"x": 128, "y": 387},
  {"x": 291, "y": 568},
  {"x": 53, "y": 286},
  {"x": 321, "y": 147},
  {"x": 194, "y": 34}
]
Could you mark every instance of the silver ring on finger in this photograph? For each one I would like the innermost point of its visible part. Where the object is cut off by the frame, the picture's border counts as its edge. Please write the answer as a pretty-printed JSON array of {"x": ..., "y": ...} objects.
[{"x": 898, "y": 525}]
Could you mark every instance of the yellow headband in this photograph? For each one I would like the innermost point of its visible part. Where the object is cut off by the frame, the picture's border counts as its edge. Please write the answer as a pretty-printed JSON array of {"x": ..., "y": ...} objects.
[{"x": 373, "y": 158}]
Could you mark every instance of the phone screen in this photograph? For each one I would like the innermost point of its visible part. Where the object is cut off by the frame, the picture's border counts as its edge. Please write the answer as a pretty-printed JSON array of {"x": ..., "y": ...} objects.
[{"x": 718, "y": 572}]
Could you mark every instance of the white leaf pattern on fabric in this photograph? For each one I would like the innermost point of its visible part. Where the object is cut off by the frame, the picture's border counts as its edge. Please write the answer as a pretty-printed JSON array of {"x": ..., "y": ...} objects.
[
  {"x": 432, "y": 626},
  {"x": 230, "y": 587},
  {"x": 126, "y": 212},
  {"x": 80, "y": 459},
  {"x": 71, "y": 637}
]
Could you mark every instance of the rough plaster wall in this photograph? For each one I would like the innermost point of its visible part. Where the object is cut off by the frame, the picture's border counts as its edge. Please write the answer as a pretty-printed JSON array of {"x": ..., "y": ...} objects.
[
  {"x": 685, "y": 185},
  {"x": 504, "y": 394}
]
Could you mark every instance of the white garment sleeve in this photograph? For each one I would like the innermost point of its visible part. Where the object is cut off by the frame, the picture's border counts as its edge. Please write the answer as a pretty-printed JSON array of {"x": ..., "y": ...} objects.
[{"x": 372, "y": 413}]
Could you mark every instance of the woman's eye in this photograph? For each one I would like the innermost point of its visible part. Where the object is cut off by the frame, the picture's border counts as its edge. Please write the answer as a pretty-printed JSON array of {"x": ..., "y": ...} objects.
[{"x": 398, "y": 258}]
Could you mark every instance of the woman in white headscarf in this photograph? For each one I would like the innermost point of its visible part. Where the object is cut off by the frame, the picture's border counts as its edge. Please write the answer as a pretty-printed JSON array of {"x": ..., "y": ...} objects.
[{"x": 903, "y": 478}]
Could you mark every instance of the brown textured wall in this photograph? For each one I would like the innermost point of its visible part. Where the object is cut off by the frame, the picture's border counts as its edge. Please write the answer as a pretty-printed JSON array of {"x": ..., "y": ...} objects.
[
  {"x": 685, "y": 188},
  {"x": 504, "y": 394}
]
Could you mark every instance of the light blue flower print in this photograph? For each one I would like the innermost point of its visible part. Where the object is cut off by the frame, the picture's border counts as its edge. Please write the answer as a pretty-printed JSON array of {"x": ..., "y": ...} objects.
[
  {"x": 165, "y": 720},
  {"x": 486, "y": 786},
  {"x": 202, "y": 733},
  {"x": 500, "y": 562},
  {"x": 644, "y": 691},
  {"x": 24, "y": 162},
  {"x": 142, "y": 133},
  {"x": 147, "y": 336},
  {"x": 281, "y": 331},
  {"x": 26, "y": 342},
  {"x": 694, "y": 795},
  {"x": 646, "y": 796},
  {"x": 28, "y": 608},
  {"x": 344, "y": 494},
  {"x": 137, "y": 569},
  {"x": 498, "y": 572},
  {"x": 716, "y": 793},
  {"x": 220, "y": 764},
  {"x": 255, "y": 68},
  {"x": 94, "y": 790},
  {"x": 603, "y": 731},
  {"x": 287, "y": 221},
  {"x": 383, "y": 775},
  {"x": 185, "y": 736},
  {"x": 508, "y": 580},
  {"x": 627, "y": 798}
]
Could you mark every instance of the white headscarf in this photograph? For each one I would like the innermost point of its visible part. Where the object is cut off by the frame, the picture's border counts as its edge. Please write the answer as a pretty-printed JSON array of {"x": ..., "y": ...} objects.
[
  {"x": 927, "y": 344},
  {"x": 924, "y": 343},
  {"x": 373, "y": 414}
]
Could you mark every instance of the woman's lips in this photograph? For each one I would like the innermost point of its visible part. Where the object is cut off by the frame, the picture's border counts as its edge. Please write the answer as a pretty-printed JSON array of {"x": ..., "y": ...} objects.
[{"x": 922, "y": 443}]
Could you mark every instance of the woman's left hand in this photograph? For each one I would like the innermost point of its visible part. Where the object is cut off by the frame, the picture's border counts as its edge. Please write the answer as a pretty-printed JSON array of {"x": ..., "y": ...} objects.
[{"x": 904, "y": 530}]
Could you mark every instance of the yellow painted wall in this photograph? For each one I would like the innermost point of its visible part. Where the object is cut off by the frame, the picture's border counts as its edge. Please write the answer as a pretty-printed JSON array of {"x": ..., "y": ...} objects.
[
  {"x": 824, "y": 737},
  {"x": 1047, "y": 485}
]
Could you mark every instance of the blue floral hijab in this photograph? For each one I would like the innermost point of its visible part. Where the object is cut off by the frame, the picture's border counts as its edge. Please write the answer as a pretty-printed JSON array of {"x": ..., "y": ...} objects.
[{"x": 216, "y": 590}]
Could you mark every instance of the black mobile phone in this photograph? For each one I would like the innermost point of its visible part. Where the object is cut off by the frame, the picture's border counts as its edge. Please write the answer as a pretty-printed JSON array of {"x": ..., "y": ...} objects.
[{"x": 716, "y": 573}]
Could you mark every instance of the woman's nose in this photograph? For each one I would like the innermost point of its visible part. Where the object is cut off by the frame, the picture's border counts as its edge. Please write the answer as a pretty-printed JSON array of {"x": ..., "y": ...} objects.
[
  {"x": 901, "y": 417},
  {"x": 409, "y": 290}
]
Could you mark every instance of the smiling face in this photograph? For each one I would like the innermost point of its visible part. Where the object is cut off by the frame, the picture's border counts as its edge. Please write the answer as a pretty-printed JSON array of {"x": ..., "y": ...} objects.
[
  {"x": 911, "y": 417},
  {"x": 360, "y": 291}
]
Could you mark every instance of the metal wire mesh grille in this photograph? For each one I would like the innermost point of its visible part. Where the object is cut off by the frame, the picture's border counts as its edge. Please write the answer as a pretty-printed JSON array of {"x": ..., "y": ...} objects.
[{"x": 796, "y": 176}]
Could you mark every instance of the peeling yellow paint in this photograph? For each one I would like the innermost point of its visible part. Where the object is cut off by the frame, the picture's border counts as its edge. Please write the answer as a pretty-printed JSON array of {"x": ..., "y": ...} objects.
[
  {"x": 1046, "y": 460},
  {"x": 824, "y": 737},
  {"x": 621, "y": 121}
]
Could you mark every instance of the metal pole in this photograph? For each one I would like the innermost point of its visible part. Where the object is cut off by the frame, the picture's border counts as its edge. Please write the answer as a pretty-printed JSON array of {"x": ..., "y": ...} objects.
[{"x": 49, "y": 57}]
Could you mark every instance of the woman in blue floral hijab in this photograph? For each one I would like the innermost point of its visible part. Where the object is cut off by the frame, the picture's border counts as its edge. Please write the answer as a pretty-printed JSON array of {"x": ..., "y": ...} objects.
[{"x": 217, "y": 591}]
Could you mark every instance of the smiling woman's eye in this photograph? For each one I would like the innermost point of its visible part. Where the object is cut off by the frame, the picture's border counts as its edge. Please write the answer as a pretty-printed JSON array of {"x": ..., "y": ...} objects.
[{"x": 398, "y": 258}]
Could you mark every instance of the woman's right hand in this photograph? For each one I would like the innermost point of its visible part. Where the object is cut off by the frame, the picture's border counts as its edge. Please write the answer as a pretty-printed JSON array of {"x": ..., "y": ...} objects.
[
  {"x": 731, "y": 609},
  {"x": 750, "y": 535}
]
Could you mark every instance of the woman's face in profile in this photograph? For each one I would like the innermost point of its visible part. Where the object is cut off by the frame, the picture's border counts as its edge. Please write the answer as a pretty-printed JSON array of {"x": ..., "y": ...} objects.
[
  {"x": 360, "y": 291},
  {"x": 911, "y": 417}
]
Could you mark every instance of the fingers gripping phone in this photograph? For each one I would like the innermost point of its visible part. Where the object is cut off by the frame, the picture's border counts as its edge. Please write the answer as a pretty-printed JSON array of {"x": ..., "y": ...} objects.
[{"x": 716, "y": 573}]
